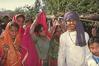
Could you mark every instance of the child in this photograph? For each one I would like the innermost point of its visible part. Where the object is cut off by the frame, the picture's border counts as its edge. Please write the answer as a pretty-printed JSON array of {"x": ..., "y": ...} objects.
[{"x": 93, "y": 44}]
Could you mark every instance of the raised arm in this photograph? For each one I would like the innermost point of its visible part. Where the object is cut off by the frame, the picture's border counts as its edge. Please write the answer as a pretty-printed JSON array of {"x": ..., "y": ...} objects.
[{"x": 33, "y": 26}]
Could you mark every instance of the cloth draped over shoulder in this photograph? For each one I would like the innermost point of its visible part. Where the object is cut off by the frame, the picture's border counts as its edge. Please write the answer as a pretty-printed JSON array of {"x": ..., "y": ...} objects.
[
  {"x": 79, "y": 27},
  {"x": 30, "y": 54},
  {"x": 13, "y": 56}
]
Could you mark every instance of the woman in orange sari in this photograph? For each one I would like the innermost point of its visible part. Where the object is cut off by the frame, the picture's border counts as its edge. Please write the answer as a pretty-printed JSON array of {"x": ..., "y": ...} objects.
[{"x": 11, "y": 38}]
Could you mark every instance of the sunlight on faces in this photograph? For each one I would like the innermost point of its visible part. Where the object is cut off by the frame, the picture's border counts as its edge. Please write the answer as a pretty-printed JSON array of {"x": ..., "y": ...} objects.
[
  {"x": 94, "y": 48},
  {"x": 71, "y": 24}
]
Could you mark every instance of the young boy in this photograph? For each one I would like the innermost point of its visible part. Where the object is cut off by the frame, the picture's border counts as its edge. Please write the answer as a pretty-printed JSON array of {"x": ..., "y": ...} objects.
[{"x": 93, "y": 59}]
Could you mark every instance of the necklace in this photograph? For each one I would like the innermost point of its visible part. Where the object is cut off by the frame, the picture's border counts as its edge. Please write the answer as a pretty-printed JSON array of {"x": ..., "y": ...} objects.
[{"x": 71, "y": 38}]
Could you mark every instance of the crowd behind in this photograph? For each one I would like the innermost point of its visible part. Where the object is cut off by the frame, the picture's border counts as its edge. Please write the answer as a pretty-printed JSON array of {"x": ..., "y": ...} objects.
[{"x": 60, "y": 41}]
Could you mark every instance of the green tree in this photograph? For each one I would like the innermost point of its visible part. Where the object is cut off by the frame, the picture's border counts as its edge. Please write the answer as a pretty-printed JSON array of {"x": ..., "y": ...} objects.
[{"x": 81, "y": 6}]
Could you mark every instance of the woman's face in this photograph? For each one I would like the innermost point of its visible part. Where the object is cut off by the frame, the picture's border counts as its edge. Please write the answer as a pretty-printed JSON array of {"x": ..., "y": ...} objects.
[
  {"x": 58, "y": 31},
  {"x": 20, "y": 21},
  {"x": 13, "y": 31},
  {"x": 71, "y": 25}
]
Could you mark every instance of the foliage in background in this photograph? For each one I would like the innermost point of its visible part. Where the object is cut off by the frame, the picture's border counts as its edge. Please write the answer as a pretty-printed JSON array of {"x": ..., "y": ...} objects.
[{"x": 81, "y": 6}]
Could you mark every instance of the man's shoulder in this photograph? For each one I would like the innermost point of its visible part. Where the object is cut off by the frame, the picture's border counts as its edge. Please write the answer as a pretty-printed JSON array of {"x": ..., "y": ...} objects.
[{"x": 64, "y": 34}]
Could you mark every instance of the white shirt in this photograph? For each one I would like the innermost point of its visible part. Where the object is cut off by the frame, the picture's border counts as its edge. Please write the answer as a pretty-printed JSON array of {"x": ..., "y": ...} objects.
[
  {"x": 91, "y": 61},
  {"x": 69, "y": 53}
]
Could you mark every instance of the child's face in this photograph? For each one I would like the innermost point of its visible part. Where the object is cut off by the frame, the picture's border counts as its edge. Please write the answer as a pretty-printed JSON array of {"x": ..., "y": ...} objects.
[{"x": 94, "y": 48}]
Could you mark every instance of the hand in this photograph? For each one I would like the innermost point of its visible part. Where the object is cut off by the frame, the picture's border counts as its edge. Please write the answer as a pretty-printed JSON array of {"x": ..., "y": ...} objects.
[{"x": 57, "y": 23}]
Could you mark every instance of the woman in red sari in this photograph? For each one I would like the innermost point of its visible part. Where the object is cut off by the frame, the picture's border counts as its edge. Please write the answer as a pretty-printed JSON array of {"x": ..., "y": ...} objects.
[
  {"x": 19, "y": 19},
  {"x": 31, "y": 56}
]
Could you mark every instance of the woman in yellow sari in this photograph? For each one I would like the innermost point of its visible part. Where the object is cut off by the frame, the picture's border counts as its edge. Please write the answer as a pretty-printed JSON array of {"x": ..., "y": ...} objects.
[{"x": 11, "y": 38}]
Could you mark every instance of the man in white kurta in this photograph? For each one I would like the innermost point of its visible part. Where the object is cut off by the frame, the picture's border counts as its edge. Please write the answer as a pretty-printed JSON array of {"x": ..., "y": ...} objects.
[{"x": 69, "y": 53}]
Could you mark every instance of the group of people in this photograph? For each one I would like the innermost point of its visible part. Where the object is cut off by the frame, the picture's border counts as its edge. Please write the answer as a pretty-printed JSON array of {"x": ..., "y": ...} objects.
[{"x": 25, "y": 42}]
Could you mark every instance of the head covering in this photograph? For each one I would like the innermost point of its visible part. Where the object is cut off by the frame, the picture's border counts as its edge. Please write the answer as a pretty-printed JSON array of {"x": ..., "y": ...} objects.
[
  {"x": 14, "y": 19},
  {"x": 41, "y": 19},
  {"x": 21, "y": 29},
  {"x": 80, "y": 38},
  {"x": 71, "y": 15},
  {"x": 13, "y": 56}
]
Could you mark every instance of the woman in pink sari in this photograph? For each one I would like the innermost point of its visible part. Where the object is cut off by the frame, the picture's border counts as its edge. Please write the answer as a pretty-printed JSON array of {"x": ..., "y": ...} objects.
[
  {"x": 31, "y": 57},
  {"x": 19, "y": 19}
]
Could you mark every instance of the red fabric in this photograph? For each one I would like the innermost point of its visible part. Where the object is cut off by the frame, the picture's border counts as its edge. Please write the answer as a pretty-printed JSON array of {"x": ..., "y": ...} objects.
[
  {"x": 14, "y": 18},
  {"x": 21, "y": 29},
  {"x": 1, "y": 52},
  {"x": 29, "y": 46},
  {"x": 41, "y": 19}
]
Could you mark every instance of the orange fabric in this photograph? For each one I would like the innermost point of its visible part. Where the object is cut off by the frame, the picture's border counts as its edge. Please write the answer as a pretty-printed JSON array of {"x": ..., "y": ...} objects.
[{"x": 13, "y": 57}]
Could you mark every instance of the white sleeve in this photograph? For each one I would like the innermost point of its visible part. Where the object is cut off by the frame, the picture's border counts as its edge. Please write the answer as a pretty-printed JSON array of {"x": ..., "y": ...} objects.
[
  {"x": 86, "y": 37},
  {"x": 62, "y": 52},
  {"x": 87, "y": 49}
]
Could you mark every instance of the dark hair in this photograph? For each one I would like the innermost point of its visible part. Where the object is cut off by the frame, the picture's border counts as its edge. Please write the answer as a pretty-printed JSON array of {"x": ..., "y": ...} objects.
[
  {"x": 38, "y": 28},
  {"x": 92, "y": 40},
  {"x": 54, "y": 32},
  {"x": 14, "y": 24},
  {"x": 57, "y": 26},
  {"x": 20, "y": 15},
  {"x": 6, "y": 17},
  {"x": 31, "y": 20}
]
